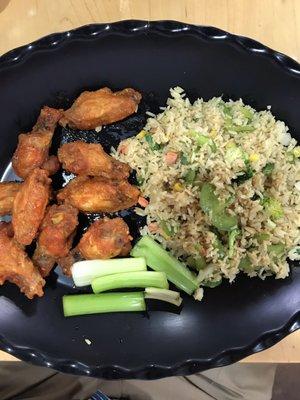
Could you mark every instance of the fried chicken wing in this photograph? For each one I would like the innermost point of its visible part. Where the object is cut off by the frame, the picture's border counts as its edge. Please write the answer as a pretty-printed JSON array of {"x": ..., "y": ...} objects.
[
  {"x": 33, "y": 148},
  {"x": 56, "y": 235},
  {"x": 82, "y": 158},
  {"x": 99, "y": 195},
  {"x": 8, "y": 191},
  {"x": 101, "y": 107},
  {"x": 105, "y": 238},
  {"x": 29, "y": 206},
  {"x": 16, "y": 267}
]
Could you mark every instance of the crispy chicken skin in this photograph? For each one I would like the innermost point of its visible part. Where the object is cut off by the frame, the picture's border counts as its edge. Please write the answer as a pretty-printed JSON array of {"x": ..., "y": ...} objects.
[
  {"x": 33, "y": 148},
  {"x": 43, "y": 262},
  {"x": 101, "y": 107},
  {"x": 66, "y": 262},
  {"x": 82, "y": 158},
  {"x": 99, "y": 195},
  {"x": 29, "y": 206},
  {"x": 56, "y": 235},
  {"x": 8, "y": 191},
  {"x": 105, "y": 238},
  {"x": 52, "y": 165},
  {"x": 16, "y": 266}
]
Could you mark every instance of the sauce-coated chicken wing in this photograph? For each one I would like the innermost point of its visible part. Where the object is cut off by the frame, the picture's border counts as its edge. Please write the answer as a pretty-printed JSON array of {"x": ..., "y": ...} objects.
[
  {"x": 29, "y": 206},
  {"x": 101, "y": 107},
  {"x": 16, "y": 267},
  {"x": 99, "y": 195},
  {"x": 56, "y": 235},
  {"x": 33, "y": 148},
  {"x": 8, "y": 192},
  {"x": 82, "y": 158},
  {"x": 105, "y": 238}
]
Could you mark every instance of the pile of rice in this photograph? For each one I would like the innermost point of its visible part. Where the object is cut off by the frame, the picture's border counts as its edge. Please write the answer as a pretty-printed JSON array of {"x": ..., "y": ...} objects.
[{"x": 174, "y": 215}]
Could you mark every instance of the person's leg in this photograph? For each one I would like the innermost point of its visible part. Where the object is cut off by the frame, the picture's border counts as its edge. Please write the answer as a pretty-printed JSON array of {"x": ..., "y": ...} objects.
[
  {"x": 21, "y": 381},
  {"x": 237, "y": 381},
  {"x": 162, "y": 389}
]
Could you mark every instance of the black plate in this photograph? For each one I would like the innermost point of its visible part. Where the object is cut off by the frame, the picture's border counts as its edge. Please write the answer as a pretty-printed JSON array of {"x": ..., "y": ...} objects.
[{"x": 234, "y": 320}]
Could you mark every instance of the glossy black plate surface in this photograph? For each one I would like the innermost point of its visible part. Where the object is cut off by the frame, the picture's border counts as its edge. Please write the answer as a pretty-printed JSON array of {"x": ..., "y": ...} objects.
[{"x": 234, "y": 320}]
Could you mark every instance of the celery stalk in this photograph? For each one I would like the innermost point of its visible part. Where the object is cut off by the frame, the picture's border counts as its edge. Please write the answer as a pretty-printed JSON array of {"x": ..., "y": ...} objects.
[
  {"x": 130, "y": 280},
  {"x": 103, "y": 303},
  {"x": 83, "y": 272},
  {"x": 161, "y": 260}
]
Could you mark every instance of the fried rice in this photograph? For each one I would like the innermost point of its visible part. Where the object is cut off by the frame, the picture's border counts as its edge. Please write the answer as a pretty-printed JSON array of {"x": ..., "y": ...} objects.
[{"x": 252, "y": 163}]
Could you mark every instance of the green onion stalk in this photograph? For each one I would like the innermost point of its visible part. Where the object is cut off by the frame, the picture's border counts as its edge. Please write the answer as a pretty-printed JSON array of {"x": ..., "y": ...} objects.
[
  {"x": 84, "y": 304},
  {"x": 84, "y": 272},
  {"x": 130, "y": 280},
  {"x": 161, "y": 260}
]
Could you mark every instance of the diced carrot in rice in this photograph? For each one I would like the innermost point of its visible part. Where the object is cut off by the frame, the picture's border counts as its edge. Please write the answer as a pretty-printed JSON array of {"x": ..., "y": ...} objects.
[
  {"x": 153, "y": 227},
  {"x": 123, "y": 148},
  {"x": 142, "y": 201},
  {"x": 171, "y": 157}
]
